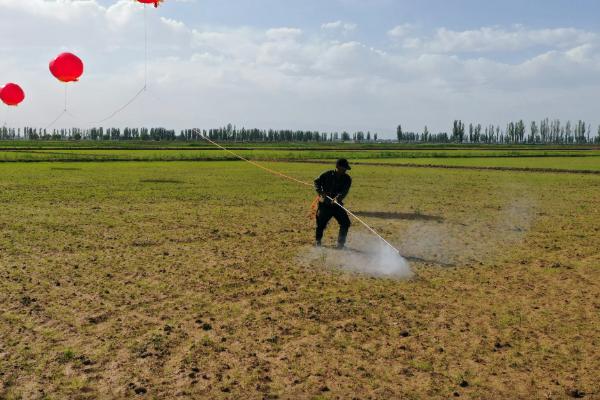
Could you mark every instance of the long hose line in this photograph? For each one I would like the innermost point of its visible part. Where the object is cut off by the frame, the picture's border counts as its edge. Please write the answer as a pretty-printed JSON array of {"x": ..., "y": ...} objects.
[{"x": 282, "y": 175}]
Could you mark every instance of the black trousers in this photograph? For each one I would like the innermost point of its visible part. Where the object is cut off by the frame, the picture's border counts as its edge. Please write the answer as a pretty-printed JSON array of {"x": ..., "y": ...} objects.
[{"x": 324, "y": 215}]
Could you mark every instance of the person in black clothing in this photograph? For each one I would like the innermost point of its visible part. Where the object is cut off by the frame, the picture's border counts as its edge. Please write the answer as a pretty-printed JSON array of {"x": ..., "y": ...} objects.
[{"x": 333, "y": 186}]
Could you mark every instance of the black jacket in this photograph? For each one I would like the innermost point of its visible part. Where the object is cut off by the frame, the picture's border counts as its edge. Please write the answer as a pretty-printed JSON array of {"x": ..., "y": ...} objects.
[{"x": 332, "y": 184}]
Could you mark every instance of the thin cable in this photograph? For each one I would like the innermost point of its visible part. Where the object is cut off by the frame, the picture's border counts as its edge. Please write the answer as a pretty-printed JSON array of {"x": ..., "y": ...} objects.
[
  {"x": 145, "y": 63},
  {"x": 114, "y": 113},
  {"x": 145, "y": 47},
  {"x": 70, "y": 114},
  {"x": 373, "y": 231},
  {"x": 63, "y": 112},
  {"x": 130, "y": 101},
  {"x": 5, "y": 116},
  {"x": 271, "y": 171},
  {"x": 56, "y": 119},
  {"x": 145, "y": 87}
]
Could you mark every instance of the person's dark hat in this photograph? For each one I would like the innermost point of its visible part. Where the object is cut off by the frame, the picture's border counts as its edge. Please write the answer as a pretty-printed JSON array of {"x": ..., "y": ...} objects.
[{"x": 342, "y": 162}]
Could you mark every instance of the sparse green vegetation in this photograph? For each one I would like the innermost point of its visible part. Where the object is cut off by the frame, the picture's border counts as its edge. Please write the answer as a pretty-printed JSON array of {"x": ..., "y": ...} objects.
[{"x": 164, "y": 279}]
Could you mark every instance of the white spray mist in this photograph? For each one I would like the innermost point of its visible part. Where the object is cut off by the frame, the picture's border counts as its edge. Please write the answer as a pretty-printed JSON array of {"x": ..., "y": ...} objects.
[{"x": 365, "y": 254}]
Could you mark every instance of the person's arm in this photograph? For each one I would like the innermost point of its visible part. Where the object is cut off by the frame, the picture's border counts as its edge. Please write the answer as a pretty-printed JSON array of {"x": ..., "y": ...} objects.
[
  {"x": 319, "y": 184},
  {"x": 342, "y": 195}
]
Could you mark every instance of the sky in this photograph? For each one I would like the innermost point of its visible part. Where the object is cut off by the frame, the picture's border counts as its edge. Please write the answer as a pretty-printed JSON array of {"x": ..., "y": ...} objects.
[{"x": 328, "y": 65}]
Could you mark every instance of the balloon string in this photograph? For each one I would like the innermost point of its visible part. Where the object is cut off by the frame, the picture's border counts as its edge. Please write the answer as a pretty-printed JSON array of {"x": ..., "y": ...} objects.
[
  {"x": 56, "y": 119},
  {"x": 272, "y": 171},
  {"x": 145, "y": 47},
  {"x": 143, "y": 89},
  {"x": 122, "y": 108},
  {"x": 63, "y": 112},
  {"x": 130, "y": 101}
]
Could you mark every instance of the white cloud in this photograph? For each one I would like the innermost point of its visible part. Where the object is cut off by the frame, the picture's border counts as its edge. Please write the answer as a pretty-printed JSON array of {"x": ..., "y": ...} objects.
[
  {"x": 400, "y": 31},
  {"x": 59, "y": 10},
  {"x": 344, "y": 27},
  {"x": 496, "y": 39},
  {"x": 283, "y": 33}
]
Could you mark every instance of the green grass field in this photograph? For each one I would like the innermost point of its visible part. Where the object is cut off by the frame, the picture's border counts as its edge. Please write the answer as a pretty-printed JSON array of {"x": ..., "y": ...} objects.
[
  {"x": 198, "y": 280},
  {"x": 571, "y": 163},
  {"x": 146, "y": 144},
  {"x": 587, "y": 159}
]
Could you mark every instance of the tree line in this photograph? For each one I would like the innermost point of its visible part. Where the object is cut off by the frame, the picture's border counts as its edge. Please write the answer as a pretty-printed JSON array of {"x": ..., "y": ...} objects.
[
  {"x": 228, "y": 133},
  {"x": 546, "y": 132}
]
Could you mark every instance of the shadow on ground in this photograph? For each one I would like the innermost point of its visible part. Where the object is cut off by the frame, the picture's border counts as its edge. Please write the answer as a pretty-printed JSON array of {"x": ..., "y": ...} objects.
[{"x": 397, "y": 215}]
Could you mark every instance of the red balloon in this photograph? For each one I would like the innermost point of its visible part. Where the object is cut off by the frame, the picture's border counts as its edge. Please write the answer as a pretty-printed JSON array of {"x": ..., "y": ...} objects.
[
  {"x": 155, "y": 2},
  {"x": 67, "y": 67},
  {"x": 12, "y": 94}
]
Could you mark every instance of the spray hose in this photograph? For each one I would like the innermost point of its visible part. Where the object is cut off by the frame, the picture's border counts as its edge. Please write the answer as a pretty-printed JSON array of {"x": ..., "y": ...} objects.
[{"x": 282, "y": 175}]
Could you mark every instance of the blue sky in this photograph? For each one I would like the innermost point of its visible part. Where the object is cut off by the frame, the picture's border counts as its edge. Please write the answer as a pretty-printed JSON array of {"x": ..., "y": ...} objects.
[
  {"x": 373, "y": 14},
  {"x": 330, "y": 64},
  {"x": 376, "y": 16}
]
